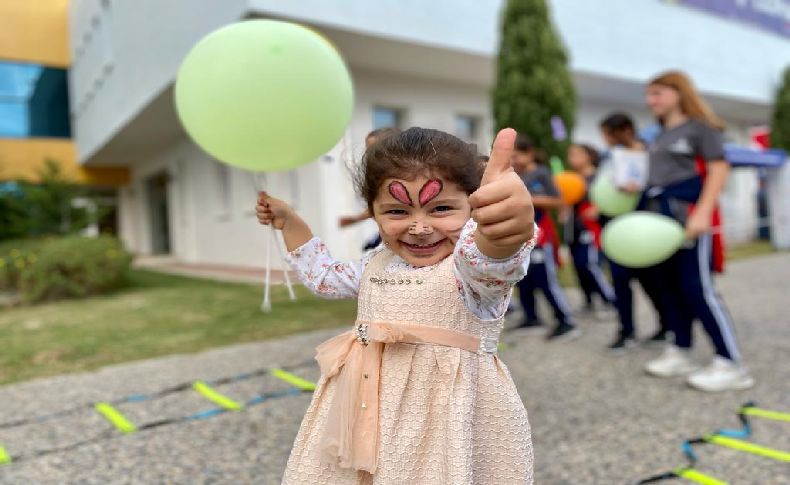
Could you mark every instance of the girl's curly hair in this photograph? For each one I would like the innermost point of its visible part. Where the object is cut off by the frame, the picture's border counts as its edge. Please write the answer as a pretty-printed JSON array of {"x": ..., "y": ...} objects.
[{"x": 414, "y": 152}]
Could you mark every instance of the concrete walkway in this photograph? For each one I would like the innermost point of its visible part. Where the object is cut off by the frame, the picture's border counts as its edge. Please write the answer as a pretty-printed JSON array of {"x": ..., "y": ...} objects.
[
  {"x": 596, "y": 418},
  {"x": 216, "y": 272}
]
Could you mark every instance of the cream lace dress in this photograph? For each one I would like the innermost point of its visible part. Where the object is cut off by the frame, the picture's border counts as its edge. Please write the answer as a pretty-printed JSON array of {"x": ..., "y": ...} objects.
[{"x": 447, "y": 416}]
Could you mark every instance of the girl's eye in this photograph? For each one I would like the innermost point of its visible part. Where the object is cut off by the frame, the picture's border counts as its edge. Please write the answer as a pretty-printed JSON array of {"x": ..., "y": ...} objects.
[
  {"x": 396, "y": 212},
  {"x": 442, "y": 208}
]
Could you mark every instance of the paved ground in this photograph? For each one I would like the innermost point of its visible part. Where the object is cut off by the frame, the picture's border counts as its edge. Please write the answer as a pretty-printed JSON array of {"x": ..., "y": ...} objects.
[{"x": 596, "y": 418}]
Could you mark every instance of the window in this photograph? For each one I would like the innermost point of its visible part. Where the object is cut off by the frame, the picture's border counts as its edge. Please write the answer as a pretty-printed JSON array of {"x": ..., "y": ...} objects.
[
  {"x": 33, "y": 101},
  {"x": 387, "y": 117},
  {"x": 467, "y": 128}
]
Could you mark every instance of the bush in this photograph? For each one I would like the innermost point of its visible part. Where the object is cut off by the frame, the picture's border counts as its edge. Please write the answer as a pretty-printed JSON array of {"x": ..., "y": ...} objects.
[
  {"x": 68, "y": 267},
  {"x": 15, "y": 255}
]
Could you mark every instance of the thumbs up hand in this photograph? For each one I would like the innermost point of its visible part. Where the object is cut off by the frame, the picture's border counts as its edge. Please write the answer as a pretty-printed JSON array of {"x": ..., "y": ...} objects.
[{"x": 502, "y": 206}]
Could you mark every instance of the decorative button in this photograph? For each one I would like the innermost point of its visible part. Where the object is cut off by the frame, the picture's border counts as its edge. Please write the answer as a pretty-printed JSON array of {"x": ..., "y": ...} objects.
[
  {"x": 362, "y": 333},
  {"x": 395, "y": 281},
  {"x": 488, "y": 345},
  {"x": 364, "y": 406}
]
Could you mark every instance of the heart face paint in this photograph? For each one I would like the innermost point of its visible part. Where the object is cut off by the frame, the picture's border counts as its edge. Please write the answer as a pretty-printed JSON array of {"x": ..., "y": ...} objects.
[
  {"x": 429, "y": 191},
  {"x": 398, "y": 191}
]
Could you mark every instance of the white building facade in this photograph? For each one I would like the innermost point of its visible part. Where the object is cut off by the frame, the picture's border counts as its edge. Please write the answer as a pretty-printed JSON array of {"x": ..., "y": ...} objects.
[{"x": 413, "y": 63}]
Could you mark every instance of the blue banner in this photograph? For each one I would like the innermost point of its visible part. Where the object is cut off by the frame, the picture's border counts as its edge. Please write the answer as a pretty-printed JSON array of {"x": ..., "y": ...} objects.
[{"x": 773, "y": 15}]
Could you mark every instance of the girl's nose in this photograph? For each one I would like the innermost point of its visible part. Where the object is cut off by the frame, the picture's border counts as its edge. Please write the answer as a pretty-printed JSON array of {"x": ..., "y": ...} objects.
[{"x": 419, "y": 228}]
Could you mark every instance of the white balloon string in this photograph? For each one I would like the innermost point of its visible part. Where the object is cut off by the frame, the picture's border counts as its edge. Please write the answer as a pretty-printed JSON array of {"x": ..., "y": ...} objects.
[
  {"x": 266, "y": 304},
  {"x": 276, "y": 241}
]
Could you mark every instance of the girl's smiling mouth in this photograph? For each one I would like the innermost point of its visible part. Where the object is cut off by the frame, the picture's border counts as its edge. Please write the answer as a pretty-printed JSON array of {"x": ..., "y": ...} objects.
[{"x": 423, "y": 249}]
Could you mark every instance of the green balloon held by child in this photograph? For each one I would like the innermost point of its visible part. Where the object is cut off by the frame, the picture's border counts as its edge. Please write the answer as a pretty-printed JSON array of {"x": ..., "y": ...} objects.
[
  {"x": 610, "y": 200},
  {"x": 264, "y": 95},
  {"x": 641, "y": 239}
]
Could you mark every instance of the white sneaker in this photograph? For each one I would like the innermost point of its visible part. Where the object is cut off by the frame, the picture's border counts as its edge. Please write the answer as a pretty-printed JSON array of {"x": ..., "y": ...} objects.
[
  {"x": 605, "y": 314},
  {"x": 673, "y": 362},
  {"x": 721, "y": 375}
]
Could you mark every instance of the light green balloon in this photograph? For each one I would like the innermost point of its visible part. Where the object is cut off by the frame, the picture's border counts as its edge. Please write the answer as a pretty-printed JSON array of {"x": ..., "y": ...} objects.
[
  {"x": 641, "y": 239},
  {"x": 264, "y": 95},
  {"x": 610, "y": 200}
]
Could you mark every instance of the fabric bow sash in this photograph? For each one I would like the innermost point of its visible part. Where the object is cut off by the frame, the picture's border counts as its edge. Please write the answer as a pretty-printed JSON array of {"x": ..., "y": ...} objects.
[{"x": 353, "y": 358}]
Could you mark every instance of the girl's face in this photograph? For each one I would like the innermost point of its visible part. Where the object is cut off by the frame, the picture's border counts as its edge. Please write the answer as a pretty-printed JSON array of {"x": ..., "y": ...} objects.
[
  {"x": 578, "y": 158},
  {"x": 662, "y": 100},
  {"x": 421, "y": 219}
]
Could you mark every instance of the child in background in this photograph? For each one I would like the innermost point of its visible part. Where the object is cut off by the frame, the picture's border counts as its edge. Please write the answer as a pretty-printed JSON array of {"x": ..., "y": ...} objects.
[
  {"x": 687, "y": 174},
  {"x": 619, "y": 131},
  {"x": 346, "y": 221},
  {"x": 583, "y": 232},
  {"x": 415, "y": 392},
  {"x": 542, "y": 274}
]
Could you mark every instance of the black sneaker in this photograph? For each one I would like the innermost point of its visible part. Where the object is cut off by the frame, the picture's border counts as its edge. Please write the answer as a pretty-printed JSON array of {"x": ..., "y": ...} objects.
[
  {"x": 658, "y": 339},
  {"x": 528, "y": 324},
  {"x": 564, "y": 331},
  {"x": 621, "y": 344}
]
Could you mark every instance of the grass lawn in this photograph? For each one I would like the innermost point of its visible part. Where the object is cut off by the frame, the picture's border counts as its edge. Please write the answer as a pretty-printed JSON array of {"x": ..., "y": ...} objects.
[{"x": 156, "y": 315}]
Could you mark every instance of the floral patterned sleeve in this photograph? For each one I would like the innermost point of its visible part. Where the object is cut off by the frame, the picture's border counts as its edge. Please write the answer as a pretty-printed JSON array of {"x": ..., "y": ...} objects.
[
  {"x": 484, "y": 282},
  {"x": 325, "y": 276}
]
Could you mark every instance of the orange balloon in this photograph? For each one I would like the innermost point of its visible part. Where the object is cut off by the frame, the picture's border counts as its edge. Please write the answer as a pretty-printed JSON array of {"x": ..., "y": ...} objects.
[{"x": 571, "y": 185}]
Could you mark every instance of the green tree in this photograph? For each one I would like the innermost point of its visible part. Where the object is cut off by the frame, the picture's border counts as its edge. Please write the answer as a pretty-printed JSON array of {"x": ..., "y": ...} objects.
[
  {"x": 40, "y": 209},
  {"x": 533, "y": 83},
  {"x": 780, "y": 121},
  {"x": 50, "y": 203},
  {"x": 13, "y": 213}
]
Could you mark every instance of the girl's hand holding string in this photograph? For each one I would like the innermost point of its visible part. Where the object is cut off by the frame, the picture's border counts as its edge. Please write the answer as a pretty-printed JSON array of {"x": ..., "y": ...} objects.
[
  {"x": 502, "y": 206},
  {"x": 271, "y": 211},
  {"x": 278, "y": 214}
]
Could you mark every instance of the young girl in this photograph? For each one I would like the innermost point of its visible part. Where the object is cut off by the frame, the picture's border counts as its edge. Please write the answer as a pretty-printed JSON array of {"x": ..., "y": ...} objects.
[
  {"x": 543, "y": 273},
  {"x": 687, "y": 173},
  {"x": 415, "y": 393},
  {"x": 619, "y": 131},
  {"x": 583, "y": 232}
]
